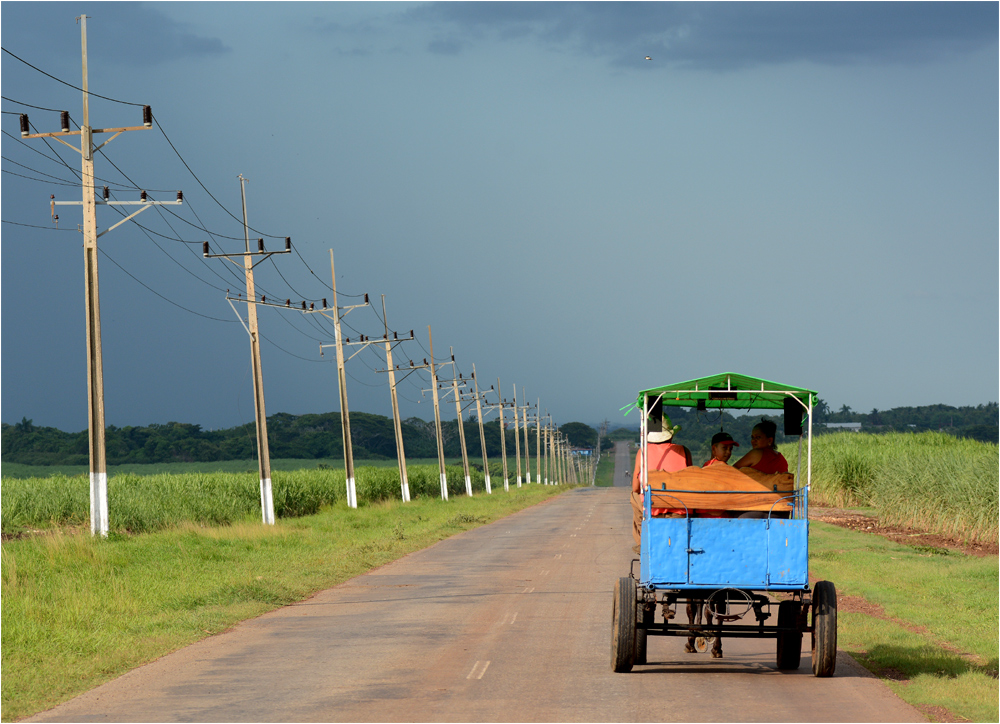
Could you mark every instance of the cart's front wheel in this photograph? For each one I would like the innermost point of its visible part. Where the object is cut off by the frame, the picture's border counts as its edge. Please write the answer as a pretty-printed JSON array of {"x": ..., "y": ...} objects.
[
  {"x": 789, "y": 644},
  {"x": 623, "y": 626},
  {"x": 824, "y": 636}
]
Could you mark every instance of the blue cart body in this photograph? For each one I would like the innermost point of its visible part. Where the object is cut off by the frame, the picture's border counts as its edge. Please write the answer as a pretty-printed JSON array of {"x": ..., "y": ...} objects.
[{"x": 703, "y": 553}]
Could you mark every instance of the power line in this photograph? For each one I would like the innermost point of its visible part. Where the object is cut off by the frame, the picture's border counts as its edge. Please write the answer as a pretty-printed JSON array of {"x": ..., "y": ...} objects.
[
  {"x": 59, "y": 80},
  {"x": 28, "y": 105},
  {"x": 36, "y": 226}
]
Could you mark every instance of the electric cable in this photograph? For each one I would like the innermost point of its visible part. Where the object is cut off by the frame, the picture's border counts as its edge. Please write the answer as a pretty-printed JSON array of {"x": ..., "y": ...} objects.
[{"x": 59, "y": 80}]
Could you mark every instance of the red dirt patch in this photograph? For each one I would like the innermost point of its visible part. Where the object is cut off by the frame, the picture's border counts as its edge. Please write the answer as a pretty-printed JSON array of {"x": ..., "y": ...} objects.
[{"x": 907, "y": 536}]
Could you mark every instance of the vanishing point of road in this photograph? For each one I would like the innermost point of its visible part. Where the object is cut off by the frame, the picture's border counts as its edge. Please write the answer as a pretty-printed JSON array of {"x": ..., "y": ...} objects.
[{"x": 507, "y": 622}]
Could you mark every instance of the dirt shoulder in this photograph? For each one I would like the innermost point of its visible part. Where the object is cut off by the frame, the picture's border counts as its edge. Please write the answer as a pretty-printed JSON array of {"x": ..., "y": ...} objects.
[{"x": 865, "y": 523}]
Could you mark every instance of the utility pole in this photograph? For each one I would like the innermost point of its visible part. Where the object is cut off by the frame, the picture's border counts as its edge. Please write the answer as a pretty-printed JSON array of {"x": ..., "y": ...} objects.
[
  {"x": 503, "y": 440},
  {"x": 99, "y": 518},
  {"x": 527, "y": 448},
  {"x": 260, "y": 413},
  {"x": 482, "y": 436},
  {"x": 548, "y": 470},
  {"x": 437, "y": 421},
  {"x": 461, "y": 424},
  {"x": 517, "y": 439},
  {"x": 345, "y": 417},
  {"x": 404, "y": 482},
  {"x": 538, "y": 440}
]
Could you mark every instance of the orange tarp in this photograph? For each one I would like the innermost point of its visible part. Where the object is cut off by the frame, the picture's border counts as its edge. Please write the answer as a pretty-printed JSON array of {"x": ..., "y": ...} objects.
[{"x": 734, "y": 489}]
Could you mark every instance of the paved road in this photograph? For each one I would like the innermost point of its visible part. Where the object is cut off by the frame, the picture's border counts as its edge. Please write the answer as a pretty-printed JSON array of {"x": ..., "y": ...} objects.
[
  {"x": 623, "y": 465},
  {"x": 508, "y": 622}
]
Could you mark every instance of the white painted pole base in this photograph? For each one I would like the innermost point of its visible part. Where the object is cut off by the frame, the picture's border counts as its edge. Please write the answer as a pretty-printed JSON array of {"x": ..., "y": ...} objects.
[
  {"x": 266, "y": 501},
  {"x": 468, "y": 486},
  {"x": 489, "y": 488},
  {"x": 444, "y": 486},
  {"x": 99, "y": 504},
  {"x": 406, "y": 492},
  {"x": 529, "y": 478},
  {"x": 506, "y": 485},
  {"x": 352, "y": 494},
  {"x": 519, "y": 481},
  {"x": 546, "y": 480}
]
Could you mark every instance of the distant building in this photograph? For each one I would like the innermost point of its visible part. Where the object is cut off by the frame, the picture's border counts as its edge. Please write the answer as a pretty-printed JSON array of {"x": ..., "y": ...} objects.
[{"x": 852, "y": 426}]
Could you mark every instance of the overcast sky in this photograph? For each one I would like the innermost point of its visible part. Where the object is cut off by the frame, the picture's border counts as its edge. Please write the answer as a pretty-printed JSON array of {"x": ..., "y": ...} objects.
[{"x": 801, "y": 192}]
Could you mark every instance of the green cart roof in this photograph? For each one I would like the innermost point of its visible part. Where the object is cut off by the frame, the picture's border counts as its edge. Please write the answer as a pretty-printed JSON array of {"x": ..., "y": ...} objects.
[{"x": 718, "y": 391}]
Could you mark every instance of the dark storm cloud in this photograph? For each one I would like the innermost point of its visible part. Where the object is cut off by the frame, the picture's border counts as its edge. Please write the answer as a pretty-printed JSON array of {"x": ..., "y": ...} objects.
[
  {"x": 127, "y": 33},
  {"x": 731, "y": 35}
]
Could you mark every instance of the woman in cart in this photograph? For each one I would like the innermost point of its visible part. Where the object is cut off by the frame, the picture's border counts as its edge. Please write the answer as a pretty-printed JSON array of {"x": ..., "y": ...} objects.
[
  {"x": 665, "y": 455},
  {"x": 764, "y": 455}
]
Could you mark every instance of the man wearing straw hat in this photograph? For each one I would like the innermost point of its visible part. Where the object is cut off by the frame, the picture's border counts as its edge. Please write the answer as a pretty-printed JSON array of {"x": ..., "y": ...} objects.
[{"x": 661, "y": 454}]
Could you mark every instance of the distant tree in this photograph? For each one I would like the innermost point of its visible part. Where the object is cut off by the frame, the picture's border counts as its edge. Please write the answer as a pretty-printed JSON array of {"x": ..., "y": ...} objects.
[
  {"x": 579, "y": 434},
  {"x": 845, "y": 410}
]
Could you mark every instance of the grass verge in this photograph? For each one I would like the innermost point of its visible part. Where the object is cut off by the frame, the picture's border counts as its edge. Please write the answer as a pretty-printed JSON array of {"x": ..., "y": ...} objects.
[
  {"x": 78, "y": 611},
  {"x": 924, "y": 619},
  {"x": 605, "y": 477}
]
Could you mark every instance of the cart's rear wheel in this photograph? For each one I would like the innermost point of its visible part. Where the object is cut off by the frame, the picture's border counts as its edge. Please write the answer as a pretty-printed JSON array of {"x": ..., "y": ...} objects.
[
  {"x": 644, "y": 615},
  {"x": 824, "y": 637},
  {"x": 623, "y": 626},
  {"x": 789, "y": 644}
]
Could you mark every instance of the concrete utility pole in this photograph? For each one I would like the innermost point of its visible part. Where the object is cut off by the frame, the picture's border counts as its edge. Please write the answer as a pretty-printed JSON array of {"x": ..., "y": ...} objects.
[
  {"x": 549, "y": 479},
  {"x": 437, "y": 421},
  {"x": 527, "y": 448},
  {"x": 517, "y": 439},
  {"x": 260, "y": 412},
  {"x": 404, "y": 482},
  {"x": 345, "y": 417},
  {"x": 461, "y": 425},
  {"x": 538, "y": 440},
  {"x": 503, "y": 440},
  {"x": 482, "y": 436},
  {"x": 99, "y": 518}
]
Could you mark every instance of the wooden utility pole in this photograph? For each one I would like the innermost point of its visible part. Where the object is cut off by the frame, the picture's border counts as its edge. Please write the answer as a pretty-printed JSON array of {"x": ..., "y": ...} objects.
[
  {"x": 538, "y": 440},
  {"x": 99, "y": 517},
  {"x": 260, "y": 412},
  {"x": 482, "y": 436},
  {"x": 345, "y": 417},
  {"x": 437, "y": 421}
]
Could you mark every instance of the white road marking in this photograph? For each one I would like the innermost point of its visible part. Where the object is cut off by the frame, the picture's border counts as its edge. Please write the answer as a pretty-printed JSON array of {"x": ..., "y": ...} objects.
[
  {"x": 513, "y": 619},
  {"x": 572, "y": 535},
  {"x": 545, "y": 572},
  {"x": 480, "y": 669},
  {"x": 528, "y": 590},
  {"x": 558, "y": 555}
]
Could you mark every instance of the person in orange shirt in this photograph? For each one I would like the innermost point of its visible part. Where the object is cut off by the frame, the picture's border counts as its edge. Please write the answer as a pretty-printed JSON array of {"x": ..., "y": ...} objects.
[
  {"x": 661, "y": 454},
  {"x": 722, "y": 449},
  {"x": 764, "y": 455}
]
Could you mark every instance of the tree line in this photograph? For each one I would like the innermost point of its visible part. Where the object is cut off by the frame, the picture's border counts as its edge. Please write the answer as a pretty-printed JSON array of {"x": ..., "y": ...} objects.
[{"x": 313, "y": 436}]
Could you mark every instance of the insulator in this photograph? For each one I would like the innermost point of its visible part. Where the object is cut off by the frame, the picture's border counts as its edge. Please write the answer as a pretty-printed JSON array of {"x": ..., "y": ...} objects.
[
  {"x": 425, "y": 360},
  {"x": 395, "y": 335},
  {"x": 366, "y": 299},
  {"x": 411, "y": 334},
  {"x": 147, "y": 116},
  {"x": 142, "y": 196},
  {"x": 107, "y": 193},
  {"x": 25, "y": 125},
  {"x": 459, "y": 375},
  {"x": 263, "y": 299},
  {"x": 288, "y": 302},
  {"x": 260, "y": 245},
  {"x": 180, "y": 196},
  {"x": 386, "y": 336},
  {"x": 324, "y": 302},
  {"x": 303, "y": 305},
  {"x": 288, "y": 243},
  {"x": 348, "y": 340},
  {"x": 411, "y": 363},
  {"x": 312, "y": 306},
  {"x": 204, "y": 250},
  {"x": 397, "y": 367},
  {"x": 64, "y": 121}
]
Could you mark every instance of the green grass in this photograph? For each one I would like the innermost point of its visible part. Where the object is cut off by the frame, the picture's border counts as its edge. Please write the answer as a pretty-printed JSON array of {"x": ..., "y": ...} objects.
[
  {"x": 606, "y": 470},
  {"x": 145, "y": 503},
  {"x": 78, "y": 611},
  {"x": 937, "y": 605},
  {"x": 929, "y": 480},
  {"x": 17, "y": 470}
]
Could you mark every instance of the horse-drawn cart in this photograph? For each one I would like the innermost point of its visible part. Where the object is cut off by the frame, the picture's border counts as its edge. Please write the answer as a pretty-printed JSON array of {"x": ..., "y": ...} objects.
[{"x": 733, "y": 566}]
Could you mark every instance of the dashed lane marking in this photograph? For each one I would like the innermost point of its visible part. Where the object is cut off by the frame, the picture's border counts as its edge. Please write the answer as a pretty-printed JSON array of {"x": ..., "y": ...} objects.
[
  {"x": 528, "y": 590},
  {"x": 478, "y": 670}
]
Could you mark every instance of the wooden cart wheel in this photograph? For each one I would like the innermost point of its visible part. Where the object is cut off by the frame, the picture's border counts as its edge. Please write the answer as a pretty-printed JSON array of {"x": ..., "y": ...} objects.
[
  {"x": 623, "y": 626},
  {"x": 824, "y": 637},
  {"x": 789, "y": 644},
  {"x": 646, "y": 616}
]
